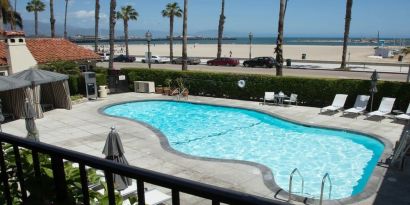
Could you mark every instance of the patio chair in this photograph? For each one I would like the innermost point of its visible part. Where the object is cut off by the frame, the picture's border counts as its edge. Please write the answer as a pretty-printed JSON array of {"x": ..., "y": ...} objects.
[
  {"x": 404, "y": 116},
  {"x": 293, "y": 99},
  {"x": 386, "y": 106},
  {"x": 338, "y": 103},
  {"x": 359, "y": 106},
  {"x": 269, "y": 96}
]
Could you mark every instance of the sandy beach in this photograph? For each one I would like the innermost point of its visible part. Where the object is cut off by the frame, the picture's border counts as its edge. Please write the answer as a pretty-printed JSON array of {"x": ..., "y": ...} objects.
[{"x": 323, "y": 53}]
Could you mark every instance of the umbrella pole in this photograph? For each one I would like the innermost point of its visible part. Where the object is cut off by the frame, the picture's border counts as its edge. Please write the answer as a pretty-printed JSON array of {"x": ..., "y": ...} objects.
[{"x": 371, "y": 104}]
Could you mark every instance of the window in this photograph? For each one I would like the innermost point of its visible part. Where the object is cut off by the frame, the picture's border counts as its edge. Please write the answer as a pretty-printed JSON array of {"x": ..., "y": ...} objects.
[
  {"x": 12, "y": 40},
  {"x": 21, "y": 40},
  {"x": 3, "y": 73}
]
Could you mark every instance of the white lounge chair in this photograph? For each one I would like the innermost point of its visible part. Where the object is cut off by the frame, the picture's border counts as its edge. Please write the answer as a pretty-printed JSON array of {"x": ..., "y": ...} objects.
[
  {"x": 405, "y": 116},
  {"x": 338, "y": 103},
  {"x": 386, "y": 106},
  {"x": 293, "y": 99},
  {"x": 359, "y": 106},
  {"x": 269, "y": 96}
]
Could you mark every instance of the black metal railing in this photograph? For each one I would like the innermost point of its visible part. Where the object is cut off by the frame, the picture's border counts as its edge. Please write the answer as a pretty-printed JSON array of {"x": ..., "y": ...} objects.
[{"x": 177, "y": 185}]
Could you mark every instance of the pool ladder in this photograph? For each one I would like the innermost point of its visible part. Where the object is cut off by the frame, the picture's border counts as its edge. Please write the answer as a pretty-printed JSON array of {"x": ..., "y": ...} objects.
[{"x": 325, "y": 178}]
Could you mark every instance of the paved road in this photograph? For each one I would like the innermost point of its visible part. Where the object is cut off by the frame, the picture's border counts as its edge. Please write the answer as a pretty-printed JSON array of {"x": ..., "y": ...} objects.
[{"x": 301, "y": 72}]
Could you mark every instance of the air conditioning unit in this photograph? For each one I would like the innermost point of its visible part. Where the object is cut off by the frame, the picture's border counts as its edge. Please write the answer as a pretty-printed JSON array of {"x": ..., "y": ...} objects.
[{"x": 144, "y": 87}]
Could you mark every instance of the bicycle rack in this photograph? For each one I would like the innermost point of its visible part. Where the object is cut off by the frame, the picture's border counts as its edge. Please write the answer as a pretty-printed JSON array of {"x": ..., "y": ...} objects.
[
  {"x": 323, "y": 186},
  {"x": 291, "y": 181}
]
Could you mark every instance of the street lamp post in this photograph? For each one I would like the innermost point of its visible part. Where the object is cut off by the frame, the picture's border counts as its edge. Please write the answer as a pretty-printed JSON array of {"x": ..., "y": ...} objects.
[
  {"x": 250, "y": 45},
  {"x": 148, "y": 36}
]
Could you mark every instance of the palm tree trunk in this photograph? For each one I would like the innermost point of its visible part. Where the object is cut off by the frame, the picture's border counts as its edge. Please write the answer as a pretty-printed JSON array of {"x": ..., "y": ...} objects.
[
  {"x": 1, "y": 21},
  {"x": 279, "y": 40},
  {"x": 113, "y": 4},
  {"x": 171, "y": 38},
  {"x": 52, "y": 19},
  {"x": 221, "y": 30},
  {"x": 36, "y": 23},
  {"x": 97, "y": 18},
  {"x": 185, "y": 38},
  {"x": 65, "y": 19},
  {"x": 348, "y": 18},
  {"x": 126, "y": 37}
]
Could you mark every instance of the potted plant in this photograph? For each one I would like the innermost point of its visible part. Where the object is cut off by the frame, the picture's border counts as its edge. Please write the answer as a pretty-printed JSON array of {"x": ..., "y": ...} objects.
[
  {"x": 167, "y": 89},
  {"x": 181, "y": 86},
  {"x": 159, "y": 89}
]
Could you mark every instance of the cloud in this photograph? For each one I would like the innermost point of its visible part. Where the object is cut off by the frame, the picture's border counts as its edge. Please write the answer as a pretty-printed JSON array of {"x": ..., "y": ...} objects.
[{"x": 87, "y": 15}]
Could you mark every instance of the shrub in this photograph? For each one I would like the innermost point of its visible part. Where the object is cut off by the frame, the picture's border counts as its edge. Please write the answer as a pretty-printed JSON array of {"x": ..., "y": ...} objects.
[
  {"x": 64, "y": 67},
  {"x": 311, "y": 91}
]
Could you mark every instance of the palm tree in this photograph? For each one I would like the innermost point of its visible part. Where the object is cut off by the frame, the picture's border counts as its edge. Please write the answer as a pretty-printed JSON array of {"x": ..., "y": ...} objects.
[
  {"x": 113, "y": 4},
  {"x": 13, "y": 18},
  {"x": 171, "y": 11},
  {"x": 5, "y": 7},
  {"x": 221, "y": 29},
  {"x": 184, "y": 37},
  {"x": 279, "y": 40},
  {"x": 97, "y": 18},
  {"x": 65, "y": 19},
  {"x": 349, "y": 4},
  {"x": 127, "y": 13},
  {"x": 52, "y": 19},
  {"x": 35, "y": 6}
]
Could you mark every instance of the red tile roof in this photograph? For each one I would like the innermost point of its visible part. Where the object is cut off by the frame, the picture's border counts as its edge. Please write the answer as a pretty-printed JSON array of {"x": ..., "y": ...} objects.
[
  {"x": 46, "y": 50},
  {"x": 12, "y": 33}
]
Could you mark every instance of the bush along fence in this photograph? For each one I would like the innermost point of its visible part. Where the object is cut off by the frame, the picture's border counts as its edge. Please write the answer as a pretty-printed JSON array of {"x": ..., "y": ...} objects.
[
  {"x": 77, "y": 85},
  {"x": 315, "y": 92}
]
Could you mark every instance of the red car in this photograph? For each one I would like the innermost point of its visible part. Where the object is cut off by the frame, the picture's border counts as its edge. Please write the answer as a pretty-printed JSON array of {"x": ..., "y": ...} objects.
[{"x": 224, "y": 61}]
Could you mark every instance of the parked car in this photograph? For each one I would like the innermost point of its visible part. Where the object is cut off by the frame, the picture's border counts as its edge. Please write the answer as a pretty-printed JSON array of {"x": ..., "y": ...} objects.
[
  {"x": 104, "y": 56},
  {"x": 190, "y": 61},
  {"x": 266, "y": 62},
  {"x": 124, "y": 58},
  {"x": 155, "y": 59},
  {"x": 224, "y": 61}
]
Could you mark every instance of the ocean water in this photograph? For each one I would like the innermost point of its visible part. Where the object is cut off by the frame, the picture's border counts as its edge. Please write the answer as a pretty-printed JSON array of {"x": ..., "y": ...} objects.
[{"x": 238, "y": 134}]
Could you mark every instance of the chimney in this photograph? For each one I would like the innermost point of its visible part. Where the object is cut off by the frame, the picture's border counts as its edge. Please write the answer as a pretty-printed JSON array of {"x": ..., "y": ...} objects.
[{"x": 19, "y": 57}]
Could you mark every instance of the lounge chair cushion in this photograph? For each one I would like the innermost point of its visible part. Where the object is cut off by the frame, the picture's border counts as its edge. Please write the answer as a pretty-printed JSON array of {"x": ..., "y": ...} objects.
[{"x": 403, "y": 117}]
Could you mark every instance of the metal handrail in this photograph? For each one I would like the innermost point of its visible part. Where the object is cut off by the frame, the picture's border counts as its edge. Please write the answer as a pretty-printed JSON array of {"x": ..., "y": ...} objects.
[
  {"x": 323, "y": 186},
  {"x": 177, "y": 185},
  {"x": 296, "y": 170},
  {"x": 176, "y": 91},
  {"x": 181, "y": 93}
]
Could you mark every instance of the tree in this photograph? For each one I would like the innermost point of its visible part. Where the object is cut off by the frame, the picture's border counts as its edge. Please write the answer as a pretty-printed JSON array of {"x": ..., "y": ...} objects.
[
  {"x": 221, "y": 29},
  {"x": 279, "y": 40},
  {"x": 171, "y": 11},
  {"x": 5, "y": 7},
  {"x": 8, "y": 15},
  {"x": 349, "y": 4},
  {"x": 184, "y": 37},
  {"x": 52, "y": 19},
  {"x": 127, "y": 13},
  {"x": 35, "y": 6},
  {"x": 97, "y": 18},
  {"x": 65, "y": 19},
  {"x": 113, "y": 4}
]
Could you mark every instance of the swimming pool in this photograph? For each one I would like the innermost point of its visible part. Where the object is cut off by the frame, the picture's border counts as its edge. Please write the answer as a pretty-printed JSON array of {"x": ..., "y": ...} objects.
[{"x": 240, "y": 134}]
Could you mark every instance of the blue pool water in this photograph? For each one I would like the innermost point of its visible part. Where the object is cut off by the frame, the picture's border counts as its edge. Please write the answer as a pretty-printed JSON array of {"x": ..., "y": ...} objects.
[{"x": 239, "y": 134}]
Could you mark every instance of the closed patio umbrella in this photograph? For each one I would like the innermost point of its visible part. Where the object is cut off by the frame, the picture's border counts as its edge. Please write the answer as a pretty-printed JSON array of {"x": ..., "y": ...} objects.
[
  {"x": 373, "y": 87},
  {"x": 30, "y": 114},
  {"x": 1, "y": 116},
  {"x": 113, "y": 150}
]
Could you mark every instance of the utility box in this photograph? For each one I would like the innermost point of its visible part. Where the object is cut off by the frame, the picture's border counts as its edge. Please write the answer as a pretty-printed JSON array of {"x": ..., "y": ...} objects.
[
  {"x": 144, "y": 87},
  {"x": 90, "y": 85}
]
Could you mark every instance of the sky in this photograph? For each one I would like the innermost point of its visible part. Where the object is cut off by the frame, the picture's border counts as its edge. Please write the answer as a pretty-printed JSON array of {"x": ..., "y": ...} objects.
[{"x": 310, "y": 18}]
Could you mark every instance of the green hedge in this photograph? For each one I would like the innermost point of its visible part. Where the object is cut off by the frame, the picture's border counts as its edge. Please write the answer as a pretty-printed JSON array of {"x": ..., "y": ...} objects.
[{"x": 311, "y": 91}]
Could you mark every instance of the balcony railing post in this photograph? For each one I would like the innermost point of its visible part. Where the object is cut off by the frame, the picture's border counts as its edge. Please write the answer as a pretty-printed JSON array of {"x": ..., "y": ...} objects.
[
  {"x": 4, "y": 176},
  {"x": 110, "y": 186},
  {"x": 36, "y": 164},
  {"x": 140, "y": 192},
  {"x": 20, "y": 173},
  {"x": 175, "y": 197},
  {"x": 60, "y": 182},
  {"x": 84, "y": 184}
]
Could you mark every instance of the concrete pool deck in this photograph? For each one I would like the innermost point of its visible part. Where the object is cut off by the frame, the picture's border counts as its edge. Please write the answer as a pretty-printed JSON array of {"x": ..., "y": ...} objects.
[{"x": 84, "y": 129}]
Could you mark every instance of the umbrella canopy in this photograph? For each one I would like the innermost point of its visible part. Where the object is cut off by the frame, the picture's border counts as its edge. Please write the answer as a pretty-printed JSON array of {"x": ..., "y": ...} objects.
[
  {"x": 38, "y": 77},
  {"x": 8, "y": 83},
  {"x": 30, "y": 114},
  {"x": 113, "y": 150}
]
